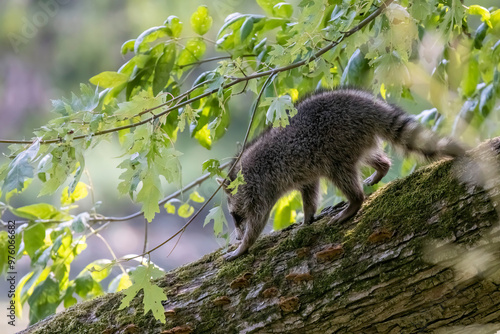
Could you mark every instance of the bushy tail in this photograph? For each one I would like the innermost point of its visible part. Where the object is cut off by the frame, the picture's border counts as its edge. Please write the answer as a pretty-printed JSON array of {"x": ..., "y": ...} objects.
[{"x": 404, "y": 131}]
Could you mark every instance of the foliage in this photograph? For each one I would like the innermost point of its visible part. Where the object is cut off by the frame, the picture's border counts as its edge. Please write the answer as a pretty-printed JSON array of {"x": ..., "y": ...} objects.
[{"x": 146, "y": 102}]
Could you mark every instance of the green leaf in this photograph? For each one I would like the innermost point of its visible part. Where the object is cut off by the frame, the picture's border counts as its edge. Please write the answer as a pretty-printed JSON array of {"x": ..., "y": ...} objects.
[
  {"x": 170, "y": 208},
  {"x": 480, "y": 35},
  {"x": 174, "y": 25},
  {"x": 280, "y": 110},
  {"x": 128, "y": 46},
  {"x": 79, "y": 193},
  {"x": 188, "y": 115},
  {"x": 212, "y": 166},
  {"x": 109, "y": 79},
  {"x": 119, "y": 283},
  {"x": 99, "y": 269},
  {"x": 79, "y": 222},
  {"x": 153, "y": 295},
  {"x": 140, "y": 102},
  {"x": 201, "y": 21},
  {"x": 196, "y": 197},
  {"x": 471, "y": 77},
  {"x": 238, "y": 181},
  {"x": 356, "y": 70},
  {"x": 268, "y": 5},
  {"x": 148, "y": 36},
  {"x": 44, "y": 300},
  {"x": 483, "y": 12},
  {"x": 4, "y": 244},
  {"x": 185, "y": 210},
  {"x": 203, "y": 137},
  {"x": 486, "y": 100},
  {"x": 283, "y": 9},
  {"x": 163, "y": 68},
  {"x": 20, "y": 169},
  {"x": 150, "y": 194},
  {"x": 36, "y": 211},
  {"x": 86, "y": 287},
  {"x": 217, "y": 215},
  {"x": 246, "y": 28},
  {"x": 285, "y": 210},
  {"x": 193, "y": 51}
]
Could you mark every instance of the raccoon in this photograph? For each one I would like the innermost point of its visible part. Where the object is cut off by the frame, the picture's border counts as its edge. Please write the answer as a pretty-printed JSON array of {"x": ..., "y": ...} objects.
[{"x": 332, "y": 134}]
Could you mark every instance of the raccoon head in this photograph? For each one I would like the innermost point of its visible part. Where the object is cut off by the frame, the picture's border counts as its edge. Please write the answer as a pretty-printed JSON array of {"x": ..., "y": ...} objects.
[{"x": 234, "y": 208}]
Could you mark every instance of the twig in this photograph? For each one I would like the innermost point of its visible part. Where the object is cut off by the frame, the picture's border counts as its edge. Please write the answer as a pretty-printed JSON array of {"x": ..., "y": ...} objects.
[
  {"x": 315, "y": 56},
  {"x": 145, "y": 235}
]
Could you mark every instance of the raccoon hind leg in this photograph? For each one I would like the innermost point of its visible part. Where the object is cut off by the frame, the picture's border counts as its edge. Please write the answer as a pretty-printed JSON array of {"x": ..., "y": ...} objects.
[
  {"x": 381, "y": 163},
  {"x": 348, "y": 181},
  {"x": 310, "y": 198}
]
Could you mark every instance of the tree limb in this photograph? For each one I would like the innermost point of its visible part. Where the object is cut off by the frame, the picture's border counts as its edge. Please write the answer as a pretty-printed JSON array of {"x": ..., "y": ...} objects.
[{"x": 422, "y": 256}]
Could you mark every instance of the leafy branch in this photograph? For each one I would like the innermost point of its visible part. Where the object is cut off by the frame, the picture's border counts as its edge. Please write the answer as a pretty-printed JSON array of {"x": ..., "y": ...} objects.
[{"x": 271, "y": 72}]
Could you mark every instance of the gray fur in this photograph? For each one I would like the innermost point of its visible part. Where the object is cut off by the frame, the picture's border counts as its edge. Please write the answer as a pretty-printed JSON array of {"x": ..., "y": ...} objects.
[{"x": 333, "y": 133}]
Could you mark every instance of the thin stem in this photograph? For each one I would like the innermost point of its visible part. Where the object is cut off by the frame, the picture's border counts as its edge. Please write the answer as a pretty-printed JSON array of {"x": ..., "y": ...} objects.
[
  {"x": 145, "y": 235},
  {"x": 108, "y": 246}
]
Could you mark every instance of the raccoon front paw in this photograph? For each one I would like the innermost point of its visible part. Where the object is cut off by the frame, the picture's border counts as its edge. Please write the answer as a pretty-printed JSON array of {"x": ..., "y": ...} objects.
[
  {"x": 234, "y": 254},
  {"x": 230, "y": 256}
]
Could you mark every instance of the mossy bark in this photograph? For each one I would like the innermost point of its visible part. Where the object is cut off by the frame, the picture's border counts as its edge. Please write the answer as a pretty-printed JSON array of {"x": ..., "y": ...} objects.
[{"x": 421, "y": 256}]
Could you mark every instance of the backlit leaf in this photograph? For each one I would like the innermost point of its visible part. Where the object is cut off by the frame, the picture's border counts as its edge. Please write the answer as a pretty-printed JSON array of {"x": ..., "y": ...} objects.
[
  {"x": 196, "y": 197},
  {"x": 153, "y": 294},
  {"x": 185, "y": 210},
  {"x": 109, "y": 79},
  {"x": 174, "y": 25},
  {"x": 217, "y": 215},
  {"x": 201, "y": 21}
]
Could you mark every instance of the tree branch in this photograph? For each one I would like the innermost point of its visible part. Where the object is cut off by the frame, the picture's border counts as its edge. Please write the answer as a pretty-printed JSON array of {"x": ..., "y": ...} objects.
[{"x": 421, "y": 256}]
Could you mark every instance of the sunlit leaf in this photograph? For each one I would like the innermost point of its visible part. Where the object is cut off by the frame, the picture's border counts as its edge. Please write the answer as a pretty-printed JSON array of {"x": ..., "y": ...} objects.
[
  {"x": 185, "y": 210},
  {"x": 80, "y": 193},
  {"x": 483, "y": 12},
  {"x": 201, "y": 21},
  {"x": 174, "y": 25},
  {"x": 284, "y": 210},
  {"x": 193, "y": 51},
  {"x": 217, "y": 215},
  {"x": 119, "y": 283},
  {"x": 153, "y": 295},
  {"x": 148, "y": 36},
  {"x": 280, "y": 110},
  {"x": 109, "y": 79},
  {"x": 238, "y": 181},
  {"x": 196, "y": 197},
  {"x": 283, "y": 9},
  {"x": 128, "y": 46},
  {"x": 36, "y": 211}
]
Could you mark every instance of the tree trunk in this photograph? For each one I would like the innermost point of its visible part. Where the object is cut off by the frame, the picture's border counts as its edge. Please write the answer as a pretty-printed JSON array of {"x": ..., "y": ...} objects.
[{"x": 422, "y": 255}]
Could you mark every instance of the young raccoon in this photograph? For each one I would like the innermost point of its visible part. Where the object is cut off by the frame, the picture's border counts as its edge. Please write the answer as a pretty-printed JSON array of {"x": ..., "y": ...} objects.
[{"x": 333, "y": 133}]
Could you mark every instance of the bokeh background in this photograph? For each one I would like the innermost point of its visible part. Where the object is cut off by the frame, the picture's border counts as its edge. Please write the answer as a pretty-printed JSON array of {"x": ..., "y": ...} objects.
[{"x": 49, "y": 47}]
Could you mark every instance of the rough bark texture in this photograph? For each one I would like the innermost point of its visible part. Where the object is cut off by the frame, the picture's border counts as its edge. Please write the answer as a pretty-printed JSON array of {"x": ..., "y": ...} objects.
[{"x": 421, "y": 256}]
